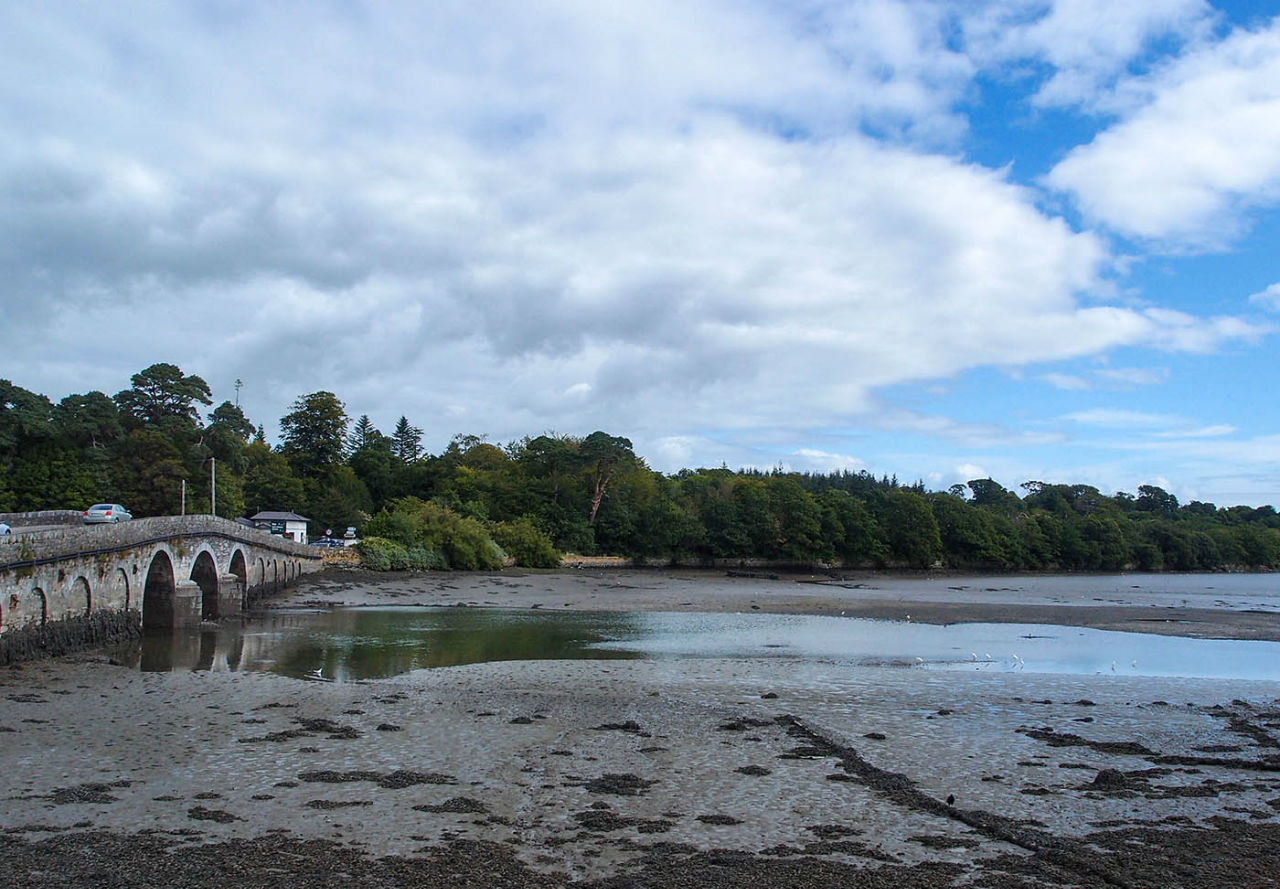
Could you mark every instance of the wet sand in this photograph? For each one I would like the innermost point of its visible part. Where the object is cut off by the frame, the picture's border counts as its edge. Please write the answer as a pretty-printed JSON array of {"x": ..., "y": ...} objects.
[
  {"x": 1225, "y": 606},
  {"x": 640, "y": 773}
]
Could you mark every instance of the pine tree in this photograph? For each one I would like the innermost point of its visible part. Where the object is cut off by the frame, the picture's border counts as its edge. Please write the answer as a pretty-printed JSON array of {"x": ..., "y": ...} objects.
[
  {"x": 407, "y": 441},
  {"x": 362, "y": 434}
]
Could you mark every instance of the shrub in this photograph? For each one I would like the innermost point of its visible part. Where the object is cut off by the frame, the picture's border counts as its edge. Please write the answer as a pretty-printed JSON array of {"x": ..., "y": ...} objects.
[
  {"x": 468, "y": 546},
  {"x": 530, "y": 547},
  {"x": 422, "y": 558},
  {"x": 423, "y": 536},
  {"x": 380, "y": 554},
  {"x": 396, "y": 526}
]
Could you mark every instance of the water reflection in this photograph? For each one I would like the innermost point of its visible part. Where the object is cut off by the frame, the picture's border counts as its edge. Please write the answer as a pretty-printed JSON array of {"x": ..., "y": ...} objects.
[
  {"x": 370, "y": 643},
  {"x": 1031, "y": 648}
]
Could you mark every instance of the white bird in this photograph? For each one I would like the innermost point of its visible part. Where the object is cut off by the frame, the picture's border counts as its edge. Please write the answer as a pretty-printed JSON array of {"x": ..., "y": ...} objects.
[{"x": 1113, "y": 666}]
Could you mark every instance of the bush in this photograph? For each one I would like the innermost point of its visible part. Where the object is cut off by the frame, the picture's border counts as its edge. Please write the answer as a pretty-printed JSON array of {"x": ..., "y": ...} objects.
[
  {"x": 420, "y": 536},
  {"x": 530, "y": 547},
  {"x": 396, "y": 526},
  {"x": 380, "y": 554},
  {"x": 422, "y": 558},
  {"x": 468, "y": 546}
]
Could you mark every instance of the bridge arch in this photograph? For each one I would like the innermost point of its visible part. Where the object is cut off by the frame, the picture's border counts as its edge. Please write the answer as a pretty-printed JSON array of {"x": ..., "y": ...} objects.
[
  {"x": 204, "y": 571},
  {"x": 78, "y": 596},
  {"x": 240, "y": 569},
  {"x": 158, "y": 593},
  {"x": 32, "y": 609},
  {"x": 37, "y": 605}
]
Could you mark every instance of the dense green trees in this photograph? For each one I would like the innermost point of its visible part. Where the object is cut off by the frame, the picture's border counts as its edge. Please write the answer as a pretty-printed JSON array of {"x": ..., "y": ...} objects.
[
  {"x": 161, "y": 394},
  {"x": 314, "y": 434},
  {"x": 537, "y": 497}
]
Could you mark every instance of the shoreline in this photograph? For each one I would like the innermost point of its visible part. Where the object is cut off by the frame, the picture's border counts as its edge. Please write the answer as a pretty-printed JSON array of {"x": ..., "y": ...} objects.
[{"x": 1161, "y": 604}]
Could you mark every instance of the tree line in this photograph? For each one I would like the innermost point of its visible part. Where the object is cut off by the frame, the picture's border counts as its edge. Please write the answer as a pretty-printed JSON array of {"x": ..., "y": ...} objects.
[{"x": 478, "y": 501}]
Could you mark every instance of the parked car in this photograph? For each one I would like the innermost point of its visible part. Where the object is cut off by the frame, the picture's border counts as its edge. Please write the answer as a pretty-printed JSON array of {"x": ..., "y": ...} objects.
[
  {"x": 104, "y": 513},
  {"x": 327, "y": 542},
  {"x": 5, "y": 529}
]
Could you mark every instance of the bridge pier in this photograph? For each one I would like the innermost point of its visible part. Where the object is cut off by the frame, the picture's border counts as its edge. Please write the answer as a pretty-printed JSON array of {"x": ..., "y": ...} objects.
[
  {"x": 187, "y": 601},
  {"x": 230, "y": 595}
]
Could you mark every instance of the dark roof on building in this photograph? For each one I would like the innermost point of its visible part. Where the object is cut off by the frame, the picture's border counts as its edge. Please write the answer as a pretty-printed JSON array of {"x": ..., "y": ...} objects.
[{"x": 269, "y": 516}]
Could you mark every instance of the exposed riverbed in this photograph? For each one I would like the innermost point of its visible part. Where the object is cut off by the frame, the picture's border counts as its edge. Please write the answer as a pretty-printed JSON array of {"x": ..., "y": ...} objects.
[{"x": 643, "y": 755}]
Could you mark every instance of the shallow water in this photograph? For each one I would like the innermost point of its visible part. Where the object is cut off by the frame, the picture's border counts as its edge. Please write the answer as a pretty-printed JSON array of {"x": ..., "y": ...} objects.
[{"x": 347, "y": 644}]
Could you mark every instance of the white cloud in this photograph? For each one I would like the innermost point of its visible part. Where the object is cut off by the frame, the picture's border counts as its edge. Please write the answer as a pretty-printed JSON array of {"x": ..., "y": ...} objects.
[
  {"x": 660, "y": 219},
  {"x": 1087, "y": 44},
  {"x": 1259, "y": 452},
  {"x": 813, "y": 460},
  {"x": 970, "y": 471},
  {"x": 1167, "y": 426},
  {"x": 1187, "y": 166},
  {"x": 1107, "y": 378},
  {"x": 1216, "y": 431},
  {"x": 1128, "y": 377},
  {"x": 1068, "y": 382},
  {"x": 1119, "y": 419},
  {"x": 977, "y": 435},
  {"x": 1268, "y": 298}
]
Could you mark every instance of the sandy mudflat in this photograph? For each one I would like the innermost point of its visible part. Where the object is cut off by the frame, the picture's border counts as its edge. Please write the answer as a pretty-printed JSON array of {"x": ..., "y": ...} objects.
[
  {"x": 636, "y": 773},
  {"x": 1226, "y": 606}
]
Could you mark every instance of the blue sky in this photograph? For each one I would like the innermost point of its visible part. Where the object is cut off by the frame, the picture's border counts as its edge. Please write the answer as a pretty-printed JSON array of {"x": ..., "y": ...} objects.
[{"x": 1018, "y": 238}]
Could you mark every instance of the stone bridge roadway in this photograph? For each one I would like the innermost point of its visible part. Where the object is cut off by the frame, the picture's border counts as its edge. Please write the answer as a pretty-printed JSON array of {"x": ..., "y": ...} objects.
[{"x": 84, "y": 585}]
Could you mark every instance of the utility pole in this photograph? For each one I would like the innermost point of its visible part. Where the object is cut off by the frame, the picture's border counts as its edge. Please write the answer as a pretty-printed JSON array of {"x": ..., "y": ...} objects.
[
  {"x": 184, "y": 498},
  {"x": 213, "y": 486}
]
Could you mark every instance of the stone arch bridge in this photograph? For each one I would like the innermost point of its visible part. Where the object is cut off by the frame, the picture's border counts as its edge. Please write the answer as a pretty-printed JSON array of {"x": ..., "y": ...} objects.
[{"x": 79, "y": 586}]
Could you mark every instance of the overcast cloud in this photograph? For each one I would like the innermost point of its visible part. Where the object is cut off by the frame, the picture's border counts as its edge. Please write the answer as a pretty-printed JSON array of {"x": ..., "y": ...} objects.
[{"x": 728, "y": 231}]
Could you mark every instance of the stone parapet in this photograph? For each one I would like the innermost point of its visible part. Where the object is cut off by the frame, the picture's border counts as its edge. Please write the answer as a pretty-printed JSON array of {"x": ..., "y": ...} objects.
[
  {"x": 90, "y": 539},
  {"x": 42, "y": 517}
]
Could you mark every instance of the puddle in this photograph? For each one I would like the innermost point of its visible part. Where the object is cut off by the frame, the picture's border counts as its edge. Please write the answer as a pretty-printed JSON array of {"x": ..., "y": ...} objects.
[
  {"x": 348, "y": 644},
  {"x": 1005, "y": 647}
]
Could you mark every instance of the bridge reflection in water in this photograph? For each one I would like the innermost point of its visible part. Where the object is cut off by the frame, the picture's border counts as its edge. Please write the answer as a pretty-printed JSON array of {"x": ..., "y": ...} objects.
[{"x": 368, "y": 643}]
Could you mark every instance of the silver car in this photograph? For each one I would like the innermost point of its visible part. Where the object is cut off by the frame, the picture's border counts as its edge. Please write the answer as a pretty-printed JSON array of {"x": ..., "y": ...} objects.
[
  {"x": 101, "y": 513},
  {"x": 5, "y": 529}
]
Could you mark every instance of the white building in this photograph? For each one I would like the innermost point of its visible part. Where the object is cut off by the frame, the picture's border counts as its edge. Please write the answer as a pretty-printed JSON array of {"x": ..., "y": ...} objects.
[{"x": 286, "y": 524}]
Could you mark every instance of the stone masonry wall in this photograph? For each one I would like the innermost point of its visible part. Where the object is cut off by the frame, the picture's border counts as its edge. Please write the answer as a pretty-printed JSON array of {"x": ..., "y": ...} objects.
[
  {"x": 79, "y": 539},
  {"x": 65, "y": 636},
  {"x": 61, "y": 582},
  {"x": 42, "y": 517}
]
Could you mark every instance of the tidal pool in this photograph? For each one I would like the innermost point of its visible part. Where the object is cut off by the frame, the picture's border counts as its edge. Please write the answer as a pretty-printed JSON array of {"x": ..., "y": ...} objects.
[{"x": 346, "y": 644}]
